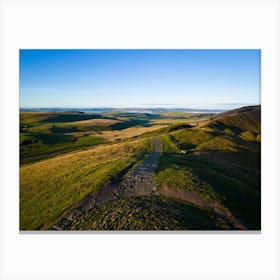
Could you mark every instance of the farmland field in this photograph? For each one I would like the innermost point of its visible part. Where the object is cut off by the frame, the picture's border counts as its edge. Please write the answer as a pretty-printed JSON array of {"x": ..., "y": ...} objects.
[{"x": 118, "y": 170}]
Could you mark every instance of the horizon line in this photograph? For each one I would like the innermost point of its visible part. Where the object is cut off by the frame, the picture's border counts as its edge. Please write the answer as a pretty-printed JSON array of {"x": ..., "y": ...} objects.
[{"x": 135, "y": 107}]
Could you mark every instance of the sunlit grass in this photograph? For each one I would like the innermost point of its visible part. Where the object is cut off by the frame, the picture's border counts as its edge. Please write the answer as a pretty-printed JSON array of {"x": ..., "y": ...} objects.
[{"x": 49, "y": 187}]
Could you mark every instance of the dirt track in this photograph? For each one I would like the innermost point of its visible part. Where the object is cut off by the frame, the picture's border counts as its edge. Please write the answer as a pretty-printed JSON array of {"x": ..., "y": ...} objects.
[
  {"x": 136, "y": 182},
  {"x": 139, "y": 181}
]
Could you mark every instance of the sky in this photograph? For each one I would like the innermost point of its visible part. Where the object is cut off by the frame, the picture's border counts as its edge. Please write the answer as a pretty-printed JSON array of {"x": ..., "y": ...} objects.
[{"x": 139, "y": 78}]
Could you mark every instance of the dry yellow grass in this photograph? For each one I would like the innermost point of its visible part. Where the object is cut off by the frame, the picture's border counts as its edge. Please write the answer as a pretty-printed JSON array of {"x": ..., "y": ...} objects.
[
  {"x": 96, "y": 122},
  {"x": 49, "y": 187},
  {"x": 127, "y": 133},
  {"x": 169, "y": 121}
]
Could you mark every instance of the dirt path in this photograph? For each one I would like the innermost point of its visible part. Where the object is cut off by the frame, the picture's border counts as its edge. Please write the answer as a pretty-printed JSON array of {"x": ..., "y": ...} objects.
[
  {"x": 139, "y": 181},
  {"x": 196, "y": 199},
  {"x": 136, "y": 182}
]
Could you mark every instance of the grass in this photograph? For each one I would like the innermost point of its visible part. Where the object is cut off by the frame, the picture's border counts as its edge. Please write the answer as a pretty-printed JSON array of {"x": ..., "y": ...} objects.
[
  {"x": 241, "y": 122},
  {"x": 34, "y": 147},
  {"x": 173, "y": 172},
  {"x": 45, "y": 135},
  {"x": 237, "y": 188},
  {"x": 50, "y": 117},
  {"x": 169, "y": 118},
  {"x": 220, "y": 168},
  {"x": 178, "y": 177},
  {"x": 129, "y": 133},
  {"x": 168, "y": 145},
  {"x": 49, "y": 187},
  {"x": 219, "y": 160},
  {"x": 250, "y": 136},
  {"x": 220, "y": 143},
  {"x": 190, "y": 138}
]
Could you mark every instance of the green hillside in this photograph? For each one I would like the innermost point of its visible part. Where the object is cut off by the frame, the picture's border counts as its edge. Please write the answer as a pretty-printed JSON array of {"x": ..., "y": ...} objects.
[
  {"x": 220, "y": 166},
  {"x": 245, "y": 122},
  {"x": 178, "y": 176}
]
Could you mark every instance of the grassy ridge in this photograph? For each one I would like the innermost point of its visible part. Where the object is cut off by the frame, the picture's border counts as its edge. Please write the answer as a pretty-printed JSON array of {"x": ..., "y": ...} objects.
[
  {"x": 219, "y": 167},
  {"x": 174, "y": 173},
  {"x": 49, "y": 187},
  {"x": 244, "y": 122}
]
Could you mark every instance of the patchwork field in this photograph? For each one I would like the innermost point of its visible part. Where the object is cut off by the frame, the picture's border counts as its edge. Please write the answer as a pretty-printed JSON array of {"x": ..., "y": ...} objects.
[
  {"x": 140, "y": 171},
  {"x": 45, "y": 135}
]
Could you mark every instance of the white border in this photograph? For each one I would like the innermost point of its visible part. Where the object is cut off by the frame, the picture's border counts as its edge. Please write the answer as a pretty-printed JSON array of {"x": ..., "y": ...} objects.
[{"x": 140, "y": 24}]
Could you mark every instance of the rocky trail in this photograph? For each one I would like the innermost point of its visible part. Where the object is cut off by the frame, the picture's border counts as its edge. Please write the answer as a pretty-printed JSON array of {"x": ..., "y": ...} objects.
[
  {"x": 140, "y": 181},
  {"x": 137, "y": 182}
]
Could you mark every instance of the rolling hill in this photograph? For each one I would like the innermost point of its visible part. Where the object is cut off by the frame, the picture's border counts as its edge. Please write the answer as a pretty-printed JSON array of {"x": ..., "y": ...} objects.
[
  {"x": 181, "y": 176},
  {"x": 245, "y": 121}
]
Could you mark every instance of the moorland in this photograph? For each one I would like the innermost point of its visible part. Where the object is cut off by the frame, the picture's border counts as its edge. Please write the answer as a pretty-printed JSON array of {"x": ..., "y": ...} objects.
[{"x": 124, "y": 170}]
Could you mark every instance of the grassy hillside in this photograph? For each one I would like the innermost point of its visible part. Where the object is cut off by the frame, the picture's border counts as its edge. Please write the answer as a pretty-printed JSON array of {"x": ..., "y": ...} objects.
[
  {"x": 50, "y": 117},
  {"x": 221, "y": 167},
  {"x": 49, "y": 187},
  {"x": 204, "y": 175},
  {"x": 47, "y": 134},
  {"x": 245, "y": 122}
]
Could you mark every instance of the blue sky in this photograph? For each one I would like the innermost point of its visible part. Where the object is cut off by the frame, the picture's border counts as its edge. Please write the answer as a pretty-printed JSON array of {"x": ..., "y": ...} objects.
[{"x": 139, "y": 78}]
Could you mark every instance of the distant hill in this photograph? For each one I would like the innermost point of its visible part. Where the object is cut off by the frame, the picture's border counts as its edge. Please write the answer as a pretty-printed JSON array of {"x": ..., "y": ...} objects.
[
  {"x": 237, "y": 111},
  {"x": 245, "y": 122}
]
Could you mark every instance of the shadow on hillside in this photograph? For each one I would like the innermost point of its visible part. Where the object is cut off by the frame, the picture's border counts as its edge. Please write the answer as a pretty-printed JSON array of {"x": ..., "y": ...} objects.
[
  {"x": 233, "y": 176},
  {"x": 51, "y": 139},
  {"x": 131, "y": 123},
  {"x": 70, "y": 118}
]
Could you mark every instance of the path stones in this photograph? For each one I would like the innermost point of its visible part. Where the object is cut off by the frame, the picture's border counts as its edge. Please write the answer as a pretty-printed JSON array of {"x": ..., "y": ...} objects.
[{"x": 140, "y": 181}]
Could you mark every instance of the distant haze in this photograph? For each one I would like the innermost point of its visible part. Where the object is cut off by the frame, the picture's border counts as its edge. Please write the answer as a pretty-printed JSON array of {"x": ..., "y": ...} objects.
[
  {"x": 187, "y": 79},
  {"x": 149, "y": 110}
]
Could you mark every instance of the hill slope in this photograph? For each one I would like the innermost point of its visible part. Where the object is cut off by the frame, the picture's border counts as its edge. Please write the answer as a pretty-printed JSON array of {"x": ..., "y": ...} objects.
[
  {"x": 185, "y": 177},
  {"x": 246, "y": 120},
  {"x": 218, "y": 162}
]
